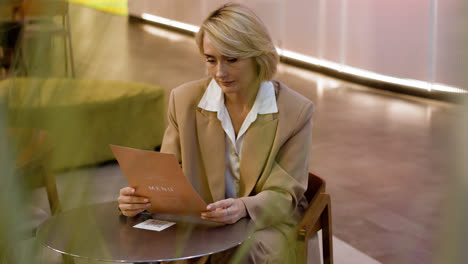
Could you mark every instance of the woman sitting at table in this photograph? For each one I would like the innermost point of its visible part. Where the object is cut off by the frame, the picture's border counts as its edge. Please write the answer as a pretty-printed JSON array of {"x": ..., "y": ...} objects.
[{"x": 243, "y": 140}]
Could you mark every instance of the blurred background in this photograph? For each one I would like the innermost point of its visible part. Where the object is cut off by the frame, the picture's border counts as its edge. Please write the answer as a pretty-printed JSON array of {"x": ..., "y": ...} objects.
[
  {"x": 79, "y": 75},
  {"x": 420, "y": 40}
]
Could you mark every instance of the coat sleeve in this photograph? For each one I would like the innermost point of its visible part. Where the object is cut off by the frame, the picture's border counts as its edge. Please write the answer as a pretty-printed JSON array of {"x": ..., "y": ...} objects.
[
  {"x": 171, "y": 140},
  {"x": 278, "y": 196}
]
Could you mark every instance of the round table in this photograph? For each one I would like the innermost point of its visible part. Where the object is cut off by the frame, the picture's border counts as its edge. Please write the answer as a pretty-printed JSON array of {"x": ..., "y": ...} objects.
[{"x": 100, "y": 232}]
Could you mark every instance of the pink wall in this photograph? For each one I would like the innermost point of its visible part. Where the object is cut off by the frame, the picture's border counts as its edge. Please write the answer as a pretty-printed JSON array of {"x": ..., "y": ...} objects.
[{"x": 386, "y": 37}]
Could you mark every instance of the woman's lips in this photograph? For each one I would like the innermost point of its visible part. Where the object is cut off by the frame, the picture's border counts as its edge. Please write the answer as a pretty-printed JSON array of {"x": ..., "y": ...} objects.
[{"x": 227, "y": 83}]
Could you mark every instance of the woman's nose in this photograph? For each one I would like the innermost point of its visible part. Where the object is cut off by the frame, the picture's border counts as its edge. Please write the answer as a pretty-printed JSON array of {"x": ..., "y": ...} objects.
[{"x": 221, "y": 70}]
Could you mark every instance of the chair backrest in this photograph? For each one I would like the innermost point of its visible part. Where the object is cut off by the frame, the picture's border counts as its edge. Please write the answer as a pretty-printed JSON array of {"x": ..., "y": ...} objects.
[
  {"x": 316, "y": 217},
  {"x": 9, "y": 9},
  {"x": 315, "y": 186},
  {"x": 45, "y": 8}
]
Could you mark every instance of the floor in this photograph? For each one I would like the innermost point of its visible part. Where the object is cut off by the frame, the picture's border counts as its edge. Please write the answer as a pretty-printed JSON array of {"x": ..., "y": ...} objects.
[{"x": 383, "y": 155}]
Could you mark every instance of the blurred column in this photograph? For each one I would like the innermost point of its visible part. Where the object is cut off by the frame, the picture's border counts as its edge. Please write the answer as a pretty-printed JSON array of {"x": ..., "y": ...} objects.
[
  {"x": 322, "y": 19},
  {"x": 343, "y": 31},
  {"x": 432, "y": 42}
]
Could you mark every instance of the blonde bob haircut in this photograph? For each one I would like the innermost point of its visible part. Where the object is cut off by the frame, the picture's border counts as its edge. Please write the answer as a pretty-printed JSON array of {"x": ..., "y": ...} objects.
[{"x": 235, "y": 31}]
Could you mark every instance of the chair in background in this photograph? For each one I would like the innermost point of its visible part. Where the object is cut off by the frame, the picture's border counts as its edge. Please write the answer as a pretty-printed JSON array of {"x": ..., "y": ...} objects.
[
  {"x": 40, "y": 20},
  {"x": 33, "y": 166},
  {"x": 9, "y": 36},
  {"x": 316, "y": 217},
  {"x": 11, "y": 24},
  {"x": 33, "y": 157}
]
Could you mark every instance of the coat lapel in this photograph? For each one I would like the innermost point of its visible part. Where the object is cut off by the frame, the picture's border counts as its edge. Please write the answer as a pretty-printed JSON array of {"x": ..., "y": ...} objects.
[
  {"x": 255, "y": 151},
  {"x": 211, "y": 143}
]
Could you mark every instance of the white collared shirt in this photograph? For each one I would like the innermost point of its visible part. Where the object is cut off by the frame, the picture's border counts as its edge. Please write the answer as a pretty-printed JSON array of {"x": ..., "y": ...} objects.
[{"x": 213, "y": 101}]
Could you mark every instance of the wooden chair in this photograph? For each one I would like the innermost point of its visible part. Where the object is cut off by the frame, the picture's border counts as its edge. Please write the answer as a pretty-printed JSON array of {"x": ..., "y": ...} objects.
[
  {"x": 39, "y": 21},
  {"x": 316, "y": 217},
  {"x": 11, "y": 26},
  {"x": 9, "y": 36},
  {"x": 33, "y": 154}
]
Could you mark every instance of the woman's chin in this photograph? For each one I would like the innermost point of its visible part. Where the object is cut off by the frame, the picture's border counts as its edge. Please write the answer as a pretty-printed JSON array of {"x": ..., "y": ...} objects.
[{"x": 229, "y": 89}]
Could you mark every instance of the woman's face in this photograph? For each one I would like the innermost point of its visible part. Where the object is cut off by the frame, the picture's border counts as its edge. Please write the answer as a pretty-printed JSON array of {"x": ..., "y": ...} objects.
[{"x": 233, "y": 75}]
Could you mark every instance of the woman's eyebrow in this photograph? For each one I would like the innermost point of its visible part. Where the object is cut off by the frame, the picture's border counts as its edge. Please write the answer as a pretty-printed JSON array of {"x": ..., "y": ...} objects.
[{"x": 208, "y": 55}]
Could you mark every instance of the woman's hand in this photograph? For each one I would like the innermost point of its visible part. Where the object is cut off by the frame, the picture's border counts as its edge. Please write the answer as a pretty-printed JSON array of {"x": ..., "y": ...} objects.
[
  {"x": 130, "y": 204},
  {"x": 226, "y": 211}
]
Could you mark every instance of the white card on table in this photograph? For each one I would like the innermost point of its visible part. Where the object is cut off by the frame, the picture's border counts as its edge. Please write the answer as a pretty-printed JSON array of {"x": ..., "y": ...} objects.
[{"x": 154, "y": 224}]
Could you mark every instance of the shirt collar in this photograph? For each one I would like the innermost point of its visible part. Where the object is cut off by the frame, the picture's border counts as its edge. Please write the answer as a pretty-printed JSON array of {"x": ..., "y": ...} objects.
[
  {"x": 213, "y": 98},
  {"x": 265, "y": 102}
]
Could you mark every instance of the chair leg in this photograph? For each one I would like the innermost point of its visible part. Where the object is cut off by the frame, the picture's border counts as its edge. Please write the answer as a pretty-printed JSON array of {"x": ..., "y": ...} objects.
[
  {"x": 52, "y": 193},
  {"x": 66, "y": 259},
  {"x": 70, "y": 44},
  {"x": 72, "y": 66},
  {"x": 65, "y": 53},
  {"x": 301, "y": 251},
  {"x": 50, "y": 184},
  {"x": 327, "y": 235}
]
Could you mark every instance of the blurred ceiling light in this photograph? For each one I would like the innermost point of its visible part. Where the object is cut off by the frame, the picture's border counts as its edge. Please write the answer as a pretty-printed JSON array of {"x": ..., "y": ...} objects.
[
  {"x": 156, "y": 31},
  {"x": 368, "y": 74},
  {"x": 441, "y": 87},
  {"x": 170, "y": 22},
  {"x": 309, "y": 75},
  {"x": 324, "y": 63}
]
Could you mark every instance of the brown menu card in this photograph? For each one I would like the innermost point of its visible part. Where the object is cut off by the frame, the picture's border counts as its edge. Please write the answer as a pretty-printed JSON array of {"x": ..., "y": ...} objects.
[{"x": 159, "y": 177}]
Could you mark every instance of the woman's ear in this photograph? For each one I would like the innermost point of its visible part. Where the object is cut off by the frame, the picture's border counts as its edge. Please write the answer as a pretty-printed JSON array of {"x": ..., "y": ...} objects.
[{"x": 258, "y": 68}]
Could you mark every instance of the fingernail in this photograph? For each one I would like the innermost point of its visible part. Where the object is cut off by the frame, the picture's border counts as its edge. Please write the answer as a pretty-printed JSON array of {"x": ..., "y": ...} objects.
[
  {"x": 146, "y": 200},
  {"x": 148, "y": 205},
  {"x": 208, "y": 207}
]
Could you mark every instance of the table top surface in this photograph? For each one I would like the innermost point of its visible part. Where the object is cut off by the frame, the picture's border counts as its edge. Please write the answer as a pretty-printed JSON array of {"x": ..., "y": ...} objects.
[{"x": 99, "y": 232}]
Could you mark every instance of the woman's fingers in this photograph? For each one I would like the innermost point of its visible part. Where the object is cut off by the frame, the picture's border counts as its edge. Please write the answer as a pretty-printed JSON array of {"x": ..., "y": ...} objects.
[
  {"x": 125, "y": 207},
  {"x": 225, "y": 211},
  {"x": 221, "y": 219},
  {"x": 220, "y": 212},
  {"x": 220, "y": 204},
  {"x": 220, "y": 209},
  {"x": 132, "y": 199},
  {"x": 131, "y": 213},
  {"x": 131, "y": 205},
  {"x": 127, "y": 191}
]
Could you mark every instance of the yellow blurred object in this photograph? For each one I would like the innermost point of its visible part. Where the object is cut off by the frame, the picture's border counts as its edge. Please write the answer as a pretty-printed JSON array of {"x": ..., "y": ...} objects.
[
  {"x": 117, "y": 7},
  {"x": 84, "y": 116}
]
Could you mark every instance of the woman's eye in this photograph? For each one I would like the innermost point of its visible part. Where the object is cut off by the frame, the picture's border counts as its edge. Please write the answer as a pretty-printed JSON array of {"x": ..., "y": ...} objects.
[
  {"x": 210, "y": 61},
  {"x": 231, "y": 60}
]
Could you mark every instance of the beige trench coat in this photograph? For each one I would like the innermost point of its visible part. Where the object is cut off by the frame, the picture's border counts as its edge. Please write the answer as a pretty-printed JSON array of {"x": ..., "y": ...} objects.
[{"x": 274, "y": 161}]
